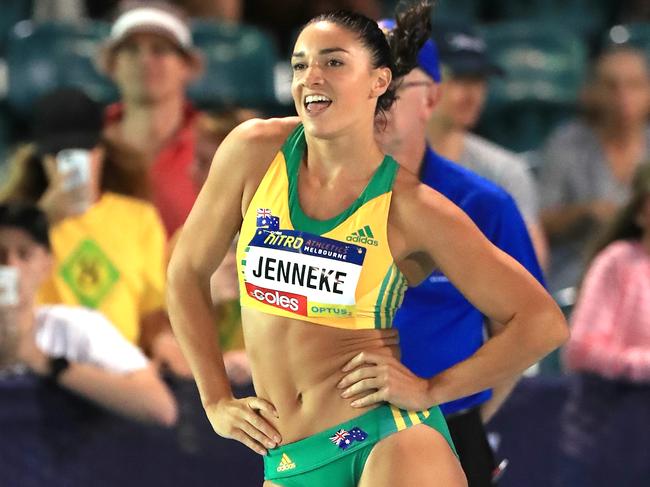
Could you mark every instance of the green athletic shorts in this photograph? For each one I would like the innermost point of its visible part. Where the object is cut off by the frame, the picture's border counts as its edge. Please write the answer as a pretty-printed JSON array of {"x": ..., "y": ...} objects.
[{"x": 337, "y": 455}]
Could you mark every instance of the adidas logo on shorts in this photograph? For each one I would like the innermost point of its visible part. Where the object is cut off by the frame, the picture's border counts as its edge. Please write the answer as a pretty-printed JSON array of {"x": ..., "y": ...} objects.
[{"x": 286, "y": 464}]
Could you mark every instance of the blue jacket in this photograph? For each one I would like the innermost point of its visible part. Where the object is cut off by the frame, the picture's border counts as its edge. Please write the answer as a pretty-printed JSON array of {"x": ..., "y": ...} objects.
[{"x": 438, "y": 326}]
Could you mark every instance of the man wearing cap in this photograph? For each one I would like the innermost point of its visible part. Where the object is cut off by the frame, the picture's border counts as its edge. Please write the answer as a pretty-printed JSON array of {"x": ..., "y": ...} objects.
[
  {"x": 150, "y": 56},
  {"x": 466, "y": 69},
  {"x": 438, "y": 327}
]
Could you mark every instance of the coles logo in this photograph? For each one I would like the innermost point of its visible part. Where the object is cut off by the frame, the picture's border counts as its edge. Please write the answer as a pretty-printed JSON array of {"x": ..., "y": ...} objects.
[{"x": 279, "y": 299}]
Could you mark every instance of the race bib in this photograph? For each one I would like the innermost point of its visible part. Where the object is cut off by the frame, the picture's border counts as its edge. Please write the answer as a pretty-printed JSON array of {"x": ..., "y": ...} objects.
[{"x": 303, "y": 273}]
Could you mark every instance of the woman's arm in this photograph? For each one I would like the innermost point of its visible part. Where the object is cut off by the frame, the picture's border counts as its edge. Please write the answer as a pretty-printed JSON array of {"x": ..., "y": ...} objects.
[
  {"x": 428, "y": 231},
  {"x": 139, "y": 395},
  {"x": 236, "y": 170}
]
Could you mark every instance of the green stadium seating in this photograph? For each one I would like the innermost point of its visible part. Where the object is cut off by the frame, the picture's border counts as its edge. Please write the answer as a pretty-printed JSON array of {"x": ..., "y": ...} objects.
[
  {"x": 239, "y": 65},
  {"x": 11, "y": 12},
  {"x": 466, "y": 10},
  {"x": 544, "y": 67},
  {"x": 636, "y": 34},
  {"x": 5, "y": 140},
  {"x": 456, "y": 10},
  {"x": 43, "y": 57},
  {"x": 586, "y": 17}
]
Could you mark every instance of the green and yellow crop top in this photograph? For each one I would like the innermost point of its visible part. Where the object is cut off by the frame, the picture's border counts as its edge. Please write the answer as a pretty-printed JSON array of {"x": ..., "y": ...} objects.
[{"x": 337, "y": 272}]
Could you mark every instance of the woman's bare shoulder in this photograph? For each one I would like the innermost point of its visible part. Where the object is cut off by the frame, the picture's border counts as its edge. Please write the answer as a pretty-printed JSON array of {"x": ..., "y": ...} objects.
[
  {"x": 251, "y": 146},
  {"x": 262, "y": 134}
]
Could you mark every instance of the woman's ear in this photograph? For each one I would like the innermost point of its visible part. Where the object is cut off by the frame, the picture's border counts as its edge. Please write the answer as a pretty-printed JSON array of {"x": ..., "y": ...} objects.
[{"x": 382, "y": 82}]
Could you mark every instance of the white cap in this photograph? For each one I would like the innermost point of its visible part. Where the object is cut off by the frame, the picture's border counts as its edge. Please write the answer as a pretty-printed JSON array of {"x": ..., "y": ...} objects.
[
  {"x": 161, "y": 19},
  {"x": 151, "y": 19}
]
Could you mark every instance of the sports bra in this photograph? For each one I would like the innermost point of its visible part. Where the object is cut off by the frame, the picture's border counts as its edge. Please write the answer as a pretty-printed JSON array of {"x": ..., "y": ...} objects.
[{"x": 337, "y": 272}]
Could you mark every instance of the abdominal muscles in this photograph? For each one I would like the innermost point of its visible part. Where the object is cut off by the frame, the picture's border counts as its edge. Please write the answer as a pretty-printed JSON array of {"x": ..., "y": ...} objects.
[{"x": 296, "y": 366}]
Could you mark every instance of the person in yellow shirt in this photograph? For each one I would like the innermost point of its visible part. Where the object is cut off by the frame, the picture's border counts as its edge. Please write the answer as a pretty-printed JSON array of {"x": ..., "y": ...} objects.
[{"x": 109, "y": 247}]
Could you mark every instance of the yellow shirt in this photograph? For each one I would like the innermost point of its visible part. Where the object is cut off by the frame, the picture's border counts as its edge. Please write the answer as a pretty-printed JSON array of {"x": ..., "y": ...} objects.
[
  {"x": 337, "y": 272},
  {"x": 112, "y": 259}
]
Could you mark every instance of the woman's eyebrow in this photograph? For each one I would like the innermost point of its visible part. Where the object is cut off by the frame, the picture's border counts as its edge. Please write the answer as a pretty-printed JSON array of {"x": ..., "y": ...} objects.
[{"x": 327, "y": 50}]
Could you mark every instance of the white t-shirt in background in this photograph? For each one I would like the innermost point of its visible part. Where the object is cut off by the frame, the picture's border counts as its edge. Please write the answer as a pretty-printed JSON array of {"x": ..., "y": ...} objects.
[{"x": 85, "y": 336}]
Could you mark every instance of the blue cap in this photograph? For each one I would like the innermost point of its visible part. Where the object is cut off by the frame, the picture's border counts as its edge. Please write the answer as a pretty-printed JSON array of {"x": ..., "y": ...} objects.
[
  {"x": 463, "y": 50},
  {"x": 427, "y": 59}
]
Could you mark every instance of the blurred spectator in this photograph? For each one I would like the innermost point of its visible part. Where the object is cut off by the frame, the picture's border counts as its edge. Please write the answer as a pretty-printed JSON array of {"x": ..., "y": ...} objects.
[
  {"x": 589, "y": 162},
  {"x": 466, "y": 69},
  {"x": 609, "y": 346},
  {"x": 225, "y": 10},
  {"x": 73, "y": 347},
  {"x": 150, "y": 56},
  {"x": 211, "y": 130},
  {"x": 109, "y": 249}
]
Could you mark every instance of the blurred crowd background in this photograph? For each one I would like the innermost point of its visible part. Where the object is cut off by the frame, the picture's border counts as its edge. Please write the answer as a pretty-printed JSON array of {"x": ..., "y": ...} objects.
[{"x": 560, "y": 120}]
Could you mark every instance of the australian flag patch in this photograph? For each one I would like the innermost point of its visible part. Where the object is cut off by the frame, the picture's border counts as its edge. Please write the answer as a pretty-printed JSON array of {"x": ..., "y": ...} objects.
[
  {"x": 266, "y": 220},
  {"x": 343, "y": 439}
]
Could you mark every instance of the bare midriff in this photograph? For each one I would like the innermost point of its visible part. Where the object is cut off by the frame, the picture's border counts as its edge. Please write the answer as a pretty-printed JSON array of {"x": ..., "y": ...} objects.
[{"x": 297, "y": 365}]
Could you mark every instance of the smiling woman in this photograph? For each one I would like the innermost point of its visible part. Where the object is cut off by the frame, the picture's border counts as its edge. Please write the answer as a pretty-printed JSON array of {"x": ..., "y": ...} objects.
[{"x": 315, "y": 199}]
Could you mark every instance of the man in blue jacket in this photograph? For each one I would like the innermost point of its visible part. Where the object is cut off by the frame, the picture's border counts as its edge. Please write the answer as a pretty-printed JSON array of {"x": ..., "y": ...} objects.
[{"x": 438, "y": 326}]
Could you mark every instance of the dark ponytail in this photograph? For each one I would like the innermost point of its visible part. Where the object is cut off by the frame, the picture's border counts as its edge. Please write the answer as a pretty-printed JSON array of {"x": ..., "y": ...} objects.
[
  {"x": 396, "y": 50},
  {"x": 412, "y": 30}
]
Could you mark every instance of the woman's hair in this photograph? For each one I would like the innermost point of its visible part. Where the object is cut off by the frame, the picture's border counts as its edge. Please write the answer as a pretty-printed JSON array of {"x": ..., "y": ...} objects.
[
  {"x": 400, "y": 56},
  {"x": 624, "y": 225},
  {"x": 124, "y": 172}
]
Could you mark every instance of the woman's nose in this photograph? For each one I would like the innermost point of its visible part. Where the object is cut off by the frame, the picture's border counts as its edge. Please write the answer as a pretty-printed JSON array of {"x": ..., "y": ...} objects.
[{"x": 314, "y": 75}]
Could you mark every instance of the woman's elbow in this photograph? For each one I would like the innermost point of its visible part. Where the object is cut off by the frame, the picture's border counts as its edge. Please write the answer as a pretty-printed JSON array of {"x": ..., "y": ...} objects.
[{"x": 553, "y": 328}]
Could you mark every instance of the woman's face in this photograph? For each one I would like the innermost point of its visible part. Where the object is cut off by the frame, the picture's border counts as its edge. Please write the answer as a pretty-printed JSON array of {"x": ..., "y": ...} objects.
[
  {"x": 334, "y": 84},
  {"x": 622, "y": 88}
]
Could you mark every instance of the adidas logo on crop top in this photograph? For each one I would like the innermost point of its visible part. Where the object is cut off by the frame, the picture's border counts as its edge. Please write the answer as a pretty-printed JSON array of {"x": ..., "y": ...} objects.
[{"x": 338, "y": 272}]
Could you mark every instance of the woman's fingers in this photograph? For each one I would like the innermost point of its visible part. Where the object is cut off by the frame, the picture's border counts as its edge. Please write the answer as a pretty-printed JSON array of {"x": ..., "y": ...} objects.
[
  {"x": 242, "y": 437},
  {"x": 377, "y": 397},
  {"x": 357, "y": 375},
  {"x": 363, "y": 358},
  {"x": 261, "y": 425},
  {"x": 364, "y": 385},
  {"x": 255, "y": 433},
  {"x": 260, "y": 404}
]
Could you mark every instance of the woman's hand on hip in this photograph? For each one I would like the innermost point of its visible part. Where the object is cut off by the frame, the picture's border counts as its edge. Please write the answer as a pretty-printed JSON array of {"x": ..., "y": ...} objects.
[
  {"x": 376, "y": 378},
  {"x": 240, "y": 419}
]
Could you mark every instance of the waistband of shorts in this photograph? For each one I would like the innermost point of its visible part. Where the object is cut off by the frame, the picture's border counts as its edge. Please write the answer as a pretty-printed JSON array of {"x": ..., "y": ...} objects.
[{"x": 345, "y": 438}]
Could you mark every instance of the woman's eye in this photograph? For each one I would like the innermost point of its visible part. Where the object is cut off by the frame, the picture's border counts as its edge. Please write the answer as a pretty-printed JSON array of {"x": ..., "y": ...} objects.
[
  {"x": 334, "y": 62},
  {"x": 298, "y": 66}
]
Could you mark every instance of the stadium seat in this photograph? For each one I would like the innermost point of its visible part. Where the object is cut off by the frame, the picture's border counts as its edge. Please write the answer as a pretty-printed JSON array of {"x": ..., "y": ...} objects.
[
  {"x": 544, "y": 66},
  {"x": 5, "y": 140},
  {"x": 13, "y": 11},
  {"x": 456, "y": 10},
  {"x": 636, "y": 34},
  {"x": 585, "y": 17},
  {"x": 43, "y": 57},
  {"x": 239, "y": 65},
  {"x": 467, "y": 10}
]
